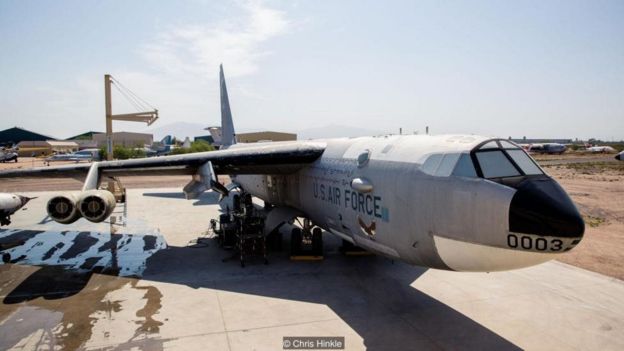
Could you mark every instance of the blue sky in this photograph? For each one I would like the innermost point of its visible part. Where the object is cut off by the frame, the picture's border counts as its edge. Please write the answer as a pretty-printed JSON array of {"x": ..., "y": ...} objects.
[{"x": 524, "y": 68}]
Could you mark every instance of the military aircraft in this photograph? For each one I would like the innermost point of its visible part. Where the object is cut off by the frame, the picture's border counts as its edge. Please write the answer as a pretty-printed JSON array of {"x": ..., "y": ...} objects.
[
  {"x": 8, "y": 154},
  {"x": 9, "y": 204},
  {"x": 620, "y": 156},
  {"x": 601, "y": 149},
  {"x": 548, "y": 148},
  {"x": 454, "y": 202}
]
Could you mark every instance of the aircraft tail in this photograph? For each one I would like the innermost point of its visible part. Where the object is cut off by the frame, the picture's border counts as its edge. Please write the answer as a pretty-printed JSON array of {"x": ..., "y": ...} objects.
[{"x": 228, "y": 136}]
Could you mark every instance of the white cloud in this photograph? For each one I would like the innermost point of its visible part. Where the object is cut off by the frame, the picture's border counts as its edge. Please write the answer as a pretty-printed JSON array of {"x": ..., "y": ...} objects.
[
  {"x": 179, "y": 76},
  {"x": 200, "y": 48}
]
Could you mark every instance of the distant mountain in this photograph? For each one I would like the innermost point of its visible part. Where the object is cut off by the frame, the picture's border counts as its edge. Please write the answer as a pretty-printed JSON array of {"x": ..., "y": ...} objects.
[
  {"x": 336, "y": 131},
  {"x": 180, "y": 130}
]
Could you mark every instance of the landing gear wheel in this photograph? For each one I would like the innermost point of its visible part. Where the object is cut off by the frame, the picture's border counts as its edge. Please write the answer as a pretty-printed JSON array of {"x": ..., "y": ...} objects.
[
  {"x": 317, "y": 241},
  {"x": 295, "y": 241},
  {"x": 236, "y": 203}
]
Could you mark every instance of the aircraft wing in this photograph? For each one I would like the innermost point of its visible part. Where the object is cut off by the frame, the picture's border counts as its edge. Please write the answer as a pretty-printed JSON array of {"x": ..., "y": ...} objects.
[{"x": 265, "y": 158}]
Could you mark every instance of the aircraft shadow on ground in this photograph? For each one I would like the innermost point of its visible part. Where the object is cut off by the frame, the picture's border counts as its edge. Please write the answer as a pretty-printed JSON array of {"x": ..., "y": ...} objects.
[
  {"x": 372, "y": 295},
  {"x": 50, "y": 283},
  {"x": 67, "y": 259}
]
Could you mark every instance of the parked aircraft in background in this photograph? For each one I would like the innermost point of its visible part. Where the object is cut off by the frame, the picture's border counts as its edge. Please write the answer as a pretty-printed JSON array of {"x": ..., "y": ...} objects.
[
  {"x": 9, "y": 204},
  {"x": 86, "y": 155},
  {"x": 548, "y": 148},
  {"x": 601, "y": 149},
  {"x": 455, "y": 202},
  {"x": 620, "y": 156},
  {"x": 8, "y": 154},
  {"x": 162, "y": 148}
]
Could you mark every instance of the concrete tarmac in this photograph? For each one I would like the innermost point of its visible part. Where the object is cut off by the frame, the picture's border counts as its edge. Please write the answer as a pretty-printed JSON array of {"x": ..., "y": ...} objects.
[{"x": 144, "y": 283}]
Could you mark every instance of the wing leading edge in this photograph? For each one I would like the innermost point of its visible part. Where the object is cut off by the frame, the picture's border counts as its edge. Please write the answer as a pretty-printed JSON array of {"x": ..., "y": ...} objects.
[{"x": 264, "y": 158}]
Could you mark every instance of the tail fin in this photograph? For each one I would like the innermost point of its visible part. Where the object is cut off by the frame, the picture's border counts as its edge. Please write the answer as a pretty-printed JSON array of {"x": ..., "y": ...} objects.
[{"x": 228, "y": 137}]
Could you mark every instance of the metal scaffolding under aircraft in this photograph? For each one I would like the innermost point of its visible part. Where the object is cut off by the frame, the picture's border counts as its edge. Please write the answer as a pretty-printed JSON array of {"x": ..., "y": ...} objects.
[{"x": 146, "y": 112}]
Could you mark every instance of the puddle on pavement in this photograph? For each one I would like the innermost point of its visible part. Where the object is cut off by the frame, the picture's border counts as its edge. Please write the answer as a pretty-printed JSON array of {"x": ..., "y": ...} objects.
[{"x": 66, "y": 303}]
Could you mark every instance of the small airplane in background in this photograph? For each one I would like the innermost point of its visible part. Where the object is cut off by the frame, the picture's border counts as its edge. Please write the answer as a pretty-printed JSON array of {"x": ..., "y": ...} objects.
[
  {"x": 162, "y": 148},
  {"x": 8, "y": 154},
  {"x": 9, "y": 204},
  {"x": 547, "y": 148},
  {"x": 601, "y": 149},
  {"x": 86, "y": 155}
]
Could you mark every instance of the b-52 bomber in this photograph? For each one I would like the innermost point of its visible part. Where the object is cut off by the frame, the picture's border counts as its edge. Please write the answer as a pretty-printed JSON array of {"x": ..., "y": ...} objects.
[{"x": 454, "y": 202}]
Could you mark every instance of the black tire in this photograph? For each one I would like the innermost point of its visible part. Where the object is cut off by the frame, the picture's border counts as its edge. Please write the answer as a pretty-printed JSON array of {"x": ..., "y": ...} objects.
[
  {"x": 274, "y": 240},
  {"x": 295, "y": 241},
  {"x": 317, "y": 241},
  {"x": 236, "y": 203}
]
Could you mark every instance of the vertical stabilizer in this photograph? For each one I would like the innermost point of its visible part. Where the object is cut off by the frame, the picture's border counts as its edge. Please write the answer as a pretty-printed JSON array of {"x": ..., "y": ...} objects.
[{"x": 228, "y": 137}]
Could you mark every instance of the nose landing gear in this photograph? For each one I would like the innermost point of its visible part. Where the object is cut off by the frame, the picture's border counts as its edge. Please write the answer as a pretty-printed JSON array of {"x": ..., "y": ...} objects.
[{"x": 306, "y": 243}]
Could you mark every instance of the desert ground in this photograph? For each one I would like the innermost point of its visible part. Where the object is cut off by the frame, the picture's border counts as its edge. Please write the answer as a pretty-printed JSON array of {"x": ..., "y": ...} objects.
[{"x": 595, "y": 183}]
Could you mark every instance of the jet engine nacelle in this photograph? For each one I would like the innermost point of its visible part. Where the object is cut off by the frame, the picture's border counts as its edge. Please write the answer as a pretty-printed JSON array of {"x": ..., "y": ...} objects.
[
  {"x": 63, "y": 208},
  {"x": 96, "y": 205}
]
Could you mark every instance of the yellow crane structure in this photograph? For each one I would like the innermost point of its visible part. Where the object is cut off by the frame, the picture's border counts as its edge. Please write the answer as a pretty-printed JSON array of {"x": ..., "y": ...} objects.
[{"x": 149, "y": 116}]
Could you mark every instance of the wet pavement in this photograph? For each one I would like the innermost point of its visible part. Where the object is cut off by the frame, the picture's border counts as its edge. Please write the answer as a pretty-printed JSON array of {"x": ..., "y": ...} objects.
[{"x": 143, "y": 283}]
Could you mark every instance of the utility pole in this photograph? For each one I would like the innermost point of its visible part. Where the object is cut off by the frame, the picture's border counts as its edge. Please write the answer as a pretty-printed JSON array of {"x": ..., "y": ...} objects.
[
  {"x": 148, "y": 117},
  {"x": 109, "y": 117}
]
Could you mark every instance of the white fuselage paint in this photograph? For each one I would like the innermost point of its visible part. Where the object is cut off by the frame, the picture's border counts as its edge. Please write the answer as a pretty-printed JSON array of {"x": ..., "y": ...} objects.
[{"x": 438, "y": 221}]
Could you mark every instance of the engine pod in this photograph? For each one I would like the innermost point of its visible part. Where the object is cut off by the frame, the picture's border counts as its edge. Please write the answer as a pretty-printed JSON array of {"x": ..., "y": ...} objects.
[
  {"x": 96, "y": 205},
  {"x": 63, "y": 209}
]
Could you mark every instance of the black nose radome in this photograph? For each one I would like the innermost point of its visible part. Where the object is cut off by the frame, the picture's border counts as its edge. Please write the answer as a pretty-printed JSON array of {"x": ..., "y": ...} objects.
[
  {"x": 540, "y": 206},
  {"x": 618, "y": 157}
]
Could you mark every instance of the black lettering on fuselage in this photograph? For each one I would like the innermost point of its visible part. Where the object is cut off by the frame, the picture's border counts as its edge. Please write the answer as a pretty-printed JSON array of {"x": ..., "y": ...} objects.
[{"x": 376, "y": 206}]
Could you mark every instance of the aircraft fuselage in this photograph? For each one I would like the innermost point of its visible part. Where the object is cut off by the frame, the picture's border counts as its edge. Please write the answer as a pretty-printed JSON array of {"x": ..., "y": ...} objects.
[{"x": 380, "y": 194}]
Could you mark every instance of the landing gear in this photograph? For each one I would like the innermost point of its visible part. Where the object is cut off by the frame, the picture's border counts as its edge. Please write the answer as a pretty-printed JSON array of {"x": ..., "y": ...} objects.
[
  {"x": 242, "y": 229},
  {"x": 5, "y": 219},
  {"x": 306, "y": 243}
]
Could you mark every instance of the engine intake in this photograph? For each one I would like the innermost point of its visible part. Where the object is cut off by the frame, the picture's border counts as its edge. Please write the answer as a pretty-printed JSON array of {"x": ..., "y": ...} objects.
[
  {"x": 63, "y": 209},
  {"x": 96, "y": 205}
]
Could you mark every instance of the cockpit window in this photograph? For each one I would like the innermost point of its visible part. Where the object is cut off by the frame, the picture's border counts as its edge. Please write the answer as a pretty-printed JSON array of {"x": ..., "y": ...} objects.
[
  {"x": 494, "y": 164},
  {"x": 507, "y": 145},
  {"x": 446, "y": 166},
  {"x": 495, "y": 159},
  {"x": 431, "y": 164},
  {"x": 501, "y": 159},
  {"x": 491, "y": 145},
  {"x": 524, "y": 162},
  {"x": 464, "y": 167},
  {"x": 440, "y": 165}
]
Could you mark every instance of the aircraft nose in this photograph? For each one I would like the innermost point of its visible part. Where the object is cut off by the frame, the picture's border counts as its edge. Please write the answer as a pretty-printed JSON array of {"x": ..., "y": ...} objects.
[
  {"x": 540, "y": 206},
  {"x": 618, "y": 157}
]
